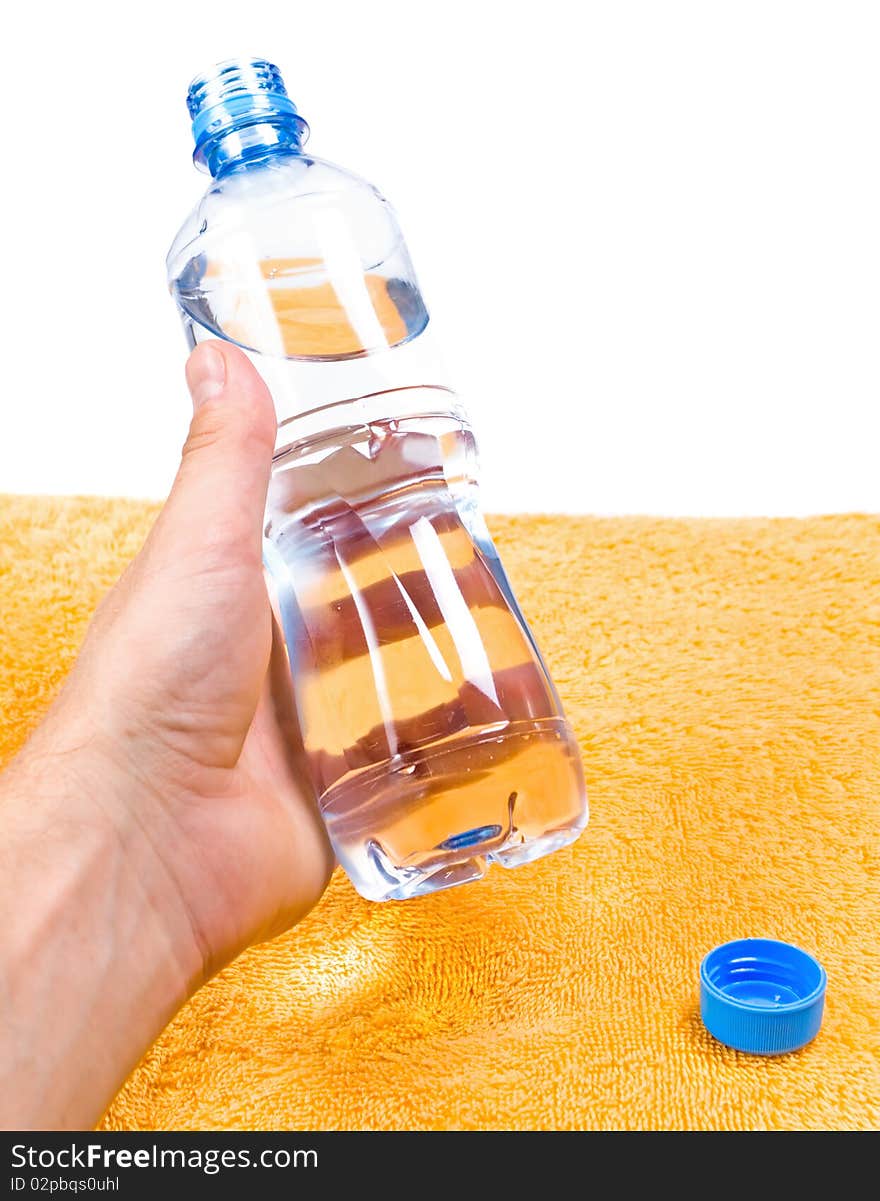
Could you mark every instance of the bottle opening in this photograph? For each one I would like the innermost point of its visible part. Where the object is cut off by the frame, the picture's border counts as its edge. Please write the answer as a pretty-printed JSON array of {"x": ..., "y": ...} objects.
[{"x": 240, "y": 109}]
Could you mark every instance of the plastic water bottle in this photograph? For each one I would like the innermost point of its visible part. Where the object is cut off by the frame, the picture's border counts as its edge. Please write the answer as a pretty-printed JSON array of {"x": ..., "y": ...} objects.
[{"x": 434, "y": 736}]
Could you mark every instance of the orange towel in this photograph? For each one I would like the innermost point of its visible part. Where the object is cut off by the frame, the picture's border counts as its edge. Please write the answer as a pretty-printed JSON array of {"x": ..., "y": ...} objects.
[{"x": 723, "y": 678}]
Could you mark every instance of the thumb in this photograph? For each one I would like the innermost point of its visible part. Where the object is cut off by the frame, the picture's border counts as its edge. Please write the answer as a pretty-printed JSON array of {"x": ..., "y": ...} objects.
[{"x": 224, "y": 471}]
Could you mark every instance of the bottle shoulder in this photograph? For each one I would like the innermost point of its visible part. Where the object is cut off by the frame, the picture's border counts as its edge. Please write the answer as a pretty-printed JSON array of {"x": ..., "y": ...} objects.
[
  {"x": 298, "y": 257},
  {"x": 238, "y": 199}
]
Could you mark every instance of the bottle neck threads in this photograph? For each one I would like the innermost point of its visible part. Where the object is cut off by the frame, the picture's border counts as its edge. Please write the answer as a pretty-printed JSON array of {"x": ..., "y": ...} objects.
[{"x": 240, "y": 114}]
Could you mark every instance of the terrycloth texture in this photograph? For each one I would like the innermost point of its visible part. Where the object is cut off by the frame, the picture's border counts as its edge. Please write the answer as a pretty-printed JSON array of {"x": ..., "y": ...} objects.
[{"x": 723, "y": 678}]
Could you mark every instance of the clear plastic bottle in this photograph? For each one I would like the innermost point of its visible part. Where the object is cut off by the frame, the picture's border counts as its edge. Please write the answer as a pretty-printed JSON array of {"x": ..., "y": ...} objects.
[{"x": 434, "y": 735}]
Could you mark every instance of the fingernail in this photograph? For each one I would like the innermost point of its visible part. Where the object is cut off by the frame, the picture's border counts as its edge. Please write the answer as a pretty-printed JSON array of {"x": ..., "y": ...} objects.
[{"x": 207, "y": 374}]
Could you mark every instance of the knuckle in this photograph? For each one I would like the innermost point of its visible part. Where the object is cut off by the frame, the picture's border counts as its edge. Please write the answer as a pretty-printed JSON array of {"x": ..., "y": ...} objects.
[
  {"x": 209, "y": 428},
  {"x": 204, "y": 431}
]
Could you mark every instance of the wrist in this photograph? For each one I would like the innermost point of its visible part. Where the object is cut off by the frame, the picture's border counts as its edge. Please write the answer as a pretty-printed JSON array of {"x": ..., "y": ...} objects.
[
  {"x": 72, "y": 820},
  {"x": 94, "y": 954}
]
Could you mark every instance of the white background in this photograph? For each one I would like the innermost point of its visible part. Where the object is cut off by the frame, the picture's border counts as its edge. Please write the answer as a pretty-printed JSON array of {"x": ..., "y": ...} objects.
[{"x": 648, "y": 233}]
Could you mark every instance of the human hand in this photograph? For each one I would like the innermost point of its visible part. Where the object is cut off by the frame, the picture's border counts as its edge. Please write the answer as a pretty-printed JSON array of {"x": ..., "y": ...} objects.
[
  {"x": 171, "y": 763},
  {"x": 174, "y": 676}
]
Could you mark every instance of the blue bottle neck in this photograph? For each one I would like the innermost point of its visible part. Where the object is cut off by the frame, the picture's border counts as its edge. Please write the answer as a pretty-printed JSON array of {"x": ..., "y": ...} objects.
[
  {"x": 241, "y": 114},
  {"x": 252, "y": 145}
]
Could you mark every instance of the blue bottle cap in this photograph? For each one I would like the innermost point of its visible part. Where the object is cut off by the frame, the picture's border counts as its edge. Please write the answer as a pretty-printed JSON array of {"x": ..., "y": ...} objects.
[{"x": 762, "y": 996}]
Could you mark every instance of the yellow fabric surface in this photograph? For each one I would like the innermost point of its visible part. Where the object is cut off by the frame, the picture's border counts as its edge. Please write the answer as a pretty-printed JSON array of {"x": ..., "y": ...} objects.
[{"x": 723, "y": 678}]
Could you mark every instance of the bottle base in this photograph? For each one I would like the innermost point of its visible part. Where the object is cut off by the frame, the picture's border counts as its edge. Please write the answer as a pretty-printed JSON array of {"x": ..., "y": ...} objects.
[
  {"x": 440, "y": 816},
  {"x": 467, "y": 870}
]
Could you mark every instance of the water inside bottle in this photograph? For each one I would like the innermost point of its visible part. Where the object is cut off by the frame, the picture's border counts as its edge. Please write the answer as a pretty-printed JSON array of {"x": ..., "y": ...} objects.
[{"x": 434, "y": 735}]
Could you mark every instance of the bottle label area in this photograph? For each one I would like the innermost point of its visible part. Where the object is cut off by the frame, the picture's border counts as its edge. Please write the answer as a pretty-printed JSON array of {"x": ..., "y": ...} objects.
[{"x": 434, "y": 737}]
